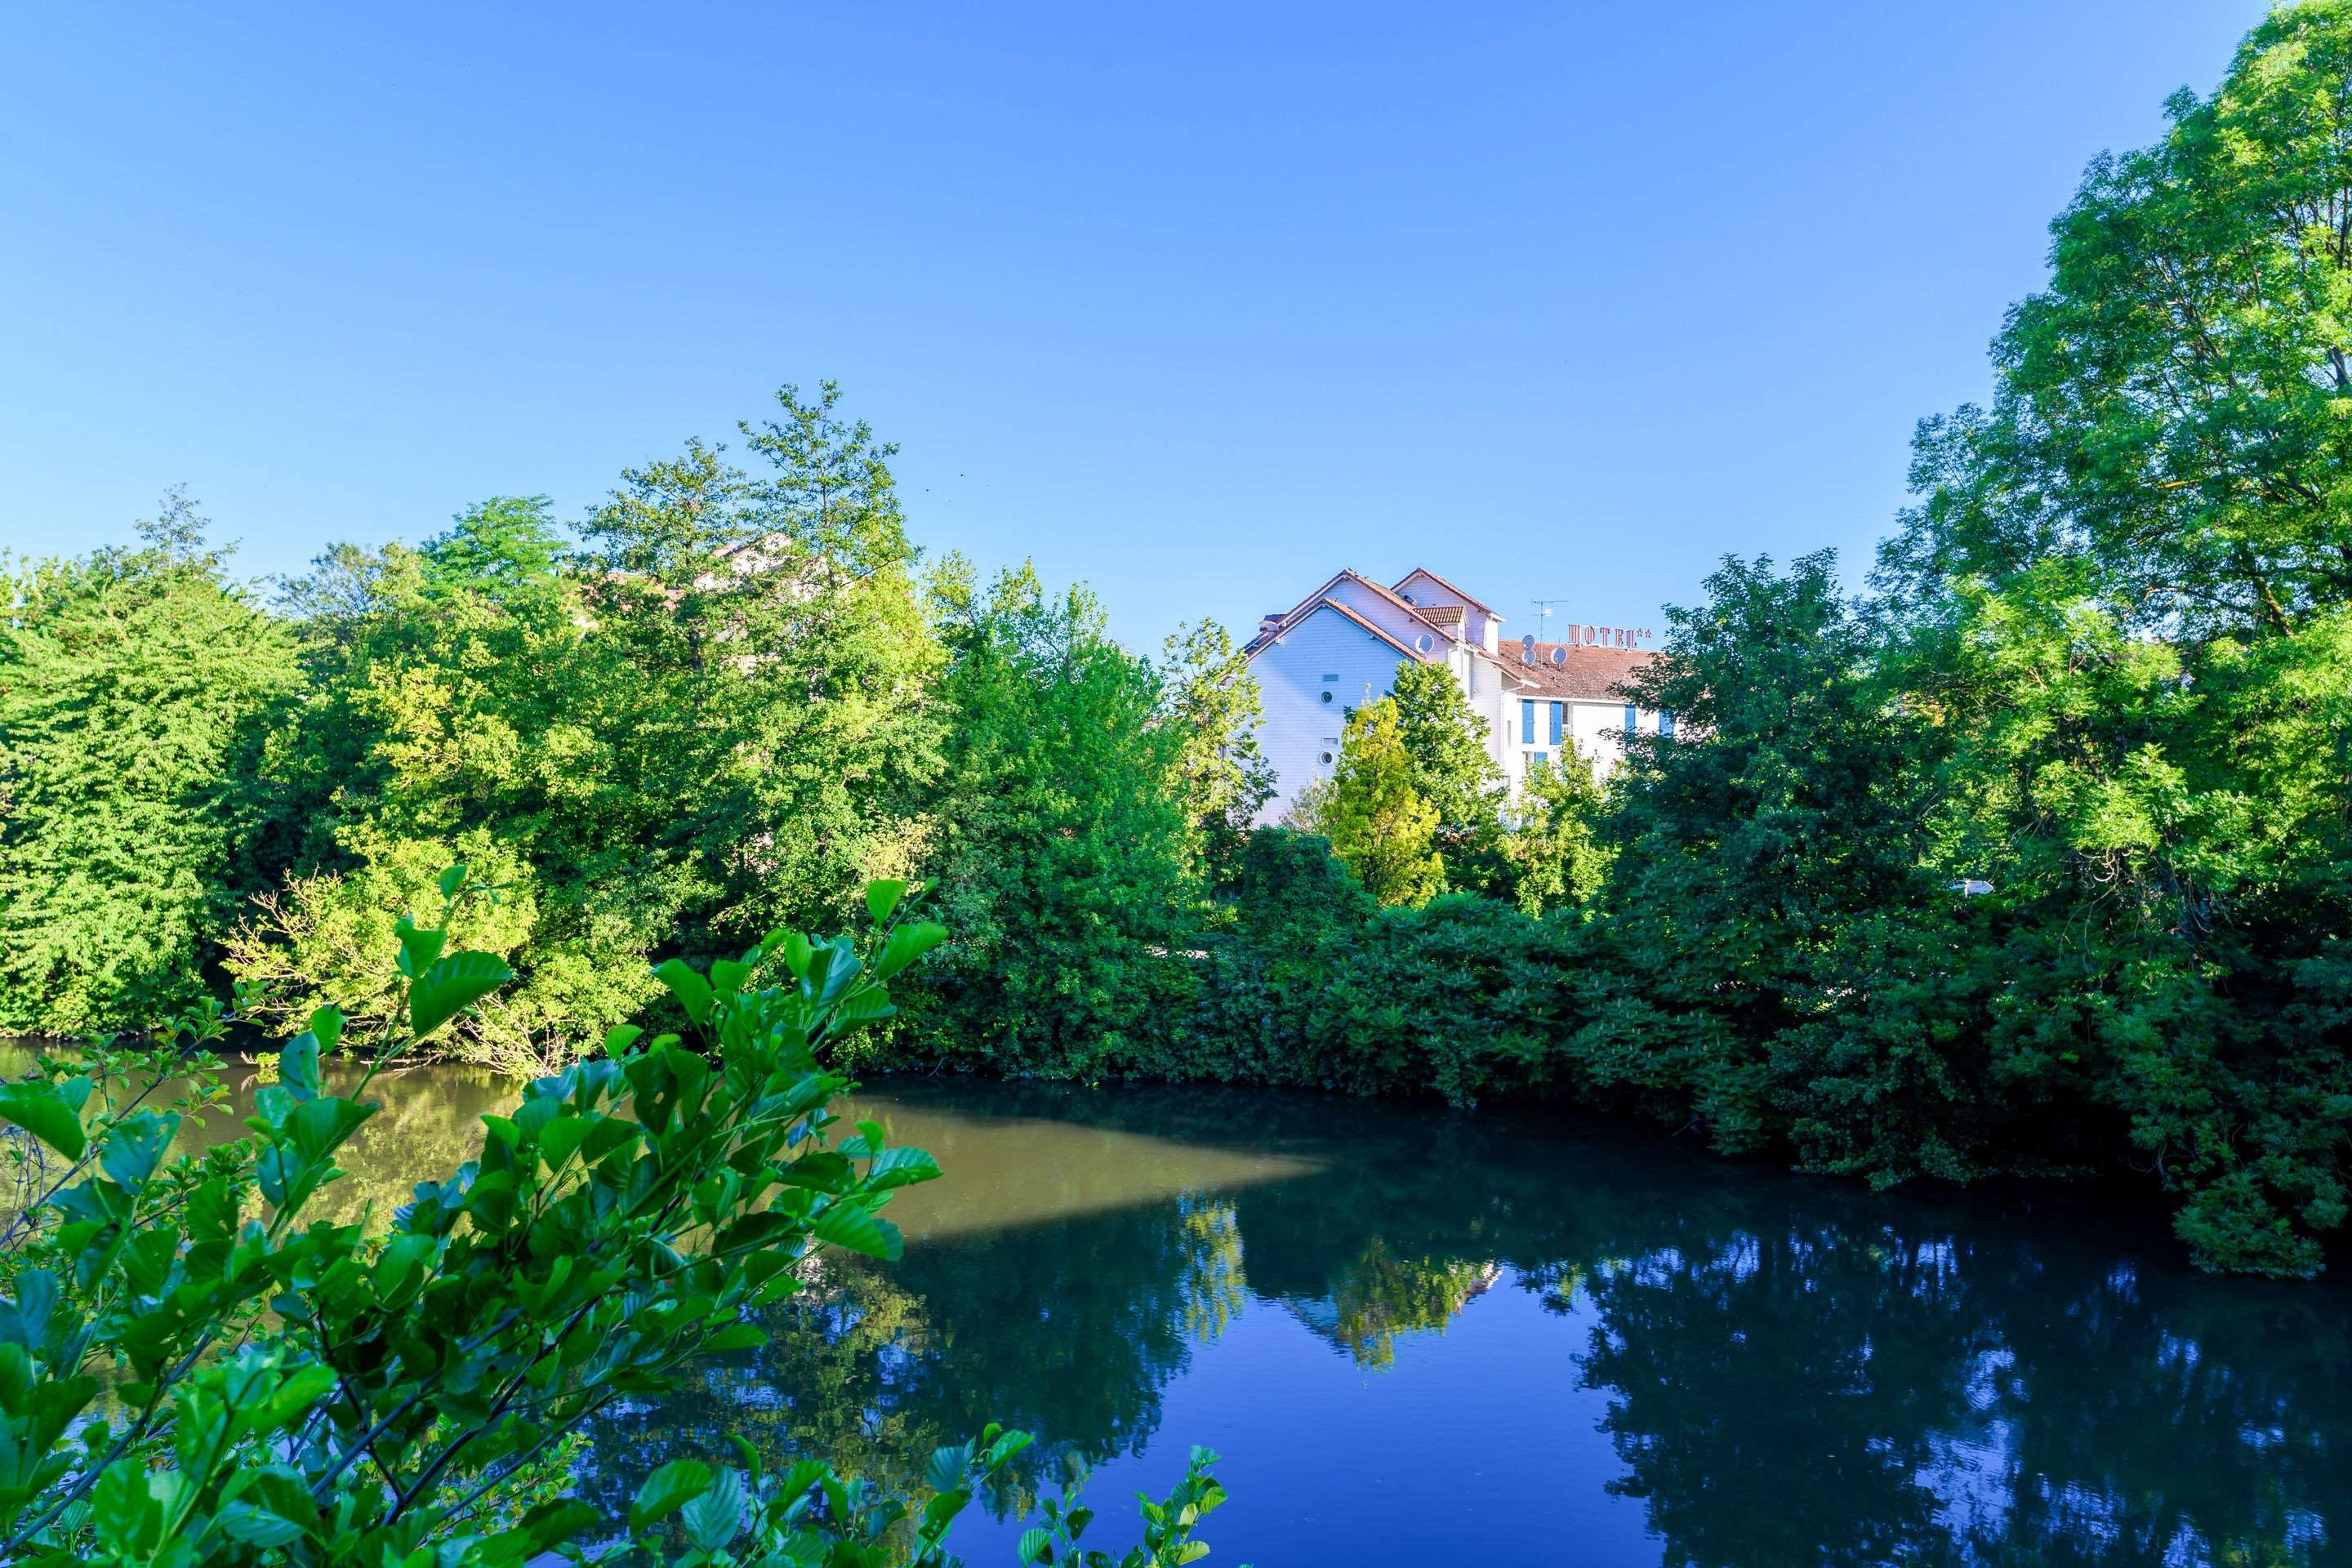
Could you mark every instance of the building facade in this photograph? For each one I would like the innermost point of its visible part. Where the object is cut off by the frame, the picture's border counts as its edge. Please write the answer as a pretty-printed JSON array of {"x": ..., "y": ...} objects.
[{"x": 1339, "y": 649}]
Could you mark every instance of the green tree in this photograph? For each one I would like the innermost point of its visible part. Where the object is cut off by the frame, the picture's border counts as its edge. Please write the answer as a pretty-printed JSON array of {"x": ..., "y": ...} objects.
[
  {"x": 1065, "y": 854},
  {"x": 1378, "y": 822},
  {"x": 470, "y": 706},
  {"x": 144, "y": 699},
  {"x": 1454, "y": 773},
  {"x": 2121, "y": 599},
  {"x": 1553, "y": 850},
  {"x": 1212, "y": 701},
  {"x": 1786, "y": 808},
  {"x": 774, "y": 626}
]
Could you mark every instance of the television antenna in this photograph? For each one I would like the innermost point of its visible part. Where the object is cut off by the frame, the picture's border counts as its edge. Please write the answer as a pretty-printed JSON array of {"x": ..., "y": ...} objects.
[{"x": 1543, "y": 609}]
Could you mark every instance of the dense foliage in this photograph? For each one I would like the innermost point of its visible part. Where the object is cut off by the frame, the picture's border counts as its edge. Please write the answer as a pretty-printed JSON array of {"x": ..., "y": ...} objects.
[
  {"x": 281, "y": 1388},
  {"x": 2036, "y": 858}
]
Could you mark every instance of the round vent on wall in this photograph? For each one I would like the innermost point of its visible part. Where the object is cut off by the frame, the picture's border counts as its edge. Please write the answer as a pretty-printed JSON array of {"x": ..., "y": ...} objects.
[
  {"x": 1327, "y": 699},
  {"x": 1424, "y": 643},
  {"x": 1327, "y": 757}
]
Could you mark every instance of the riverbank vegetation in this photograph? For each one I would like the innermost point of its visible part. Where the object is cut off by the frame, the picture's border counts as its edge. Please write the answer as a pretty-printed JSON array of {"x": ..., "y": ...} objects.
[
  {"x": 197, "y": 1368},
  {"x": 2103, "y": 670}
]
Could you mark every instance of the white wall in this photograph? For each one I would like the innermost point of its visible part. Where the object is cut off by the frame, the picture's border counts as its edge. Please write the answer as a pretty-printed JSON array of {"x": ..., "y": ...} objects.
[
  {"x": 1596, "y": 725},
  {"x": 1299, "y": 726}
]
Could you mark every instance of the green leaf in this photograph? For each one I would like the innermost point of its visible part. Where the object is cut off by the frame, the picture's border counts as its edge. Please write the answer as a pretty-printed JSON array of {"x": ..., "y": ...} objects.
[
  {"x": 692, "y": 991},
  {"x": 908, "y": 943},
  {"x": 327, "y": 1027},
  {"x": 453, "y": 984},
  {"x": 736, "y": 1337},
  {"x": 716, "y": 1517},
  {"x": 726, "y": 976},
  {"x": 882, "y": 896},
  {"x": 945, "y": 1472},
  {"x": 418, "y": 948},
  {"x": 620, "y": 1037},
  {"x": 668, "y": 1489},
  {"x": 135, "y": 1147},
  {"x": 42, "y": 1111},
  {"x": 452, "y": 878},
  {"x": 298, "y": 1065},
  {"x": 1033, "y": 1542},
  {"x": 850, "y": 1228},
  {"x": 902, "y": 1167}
]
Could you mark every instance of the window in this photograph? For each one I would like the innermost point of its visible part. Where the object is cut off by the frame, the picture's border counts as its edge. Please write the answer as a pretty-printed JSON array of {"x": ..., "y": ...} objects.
[
  {"x": 1555, "y": 721},
  {"x": 1666, "y": 726},
  {"x": 1539, "y": 759},
  {"x": 1526, "y": 718},
  {"x": 1632, "y": 719},
  {"x": 1330, "y": 681}
]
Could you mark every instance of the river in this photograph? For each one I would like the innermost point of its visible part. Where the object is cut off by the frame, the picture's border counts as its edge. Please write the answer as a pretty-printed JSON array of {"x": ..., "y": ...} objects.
[{"x": 1425, "y": 1337}]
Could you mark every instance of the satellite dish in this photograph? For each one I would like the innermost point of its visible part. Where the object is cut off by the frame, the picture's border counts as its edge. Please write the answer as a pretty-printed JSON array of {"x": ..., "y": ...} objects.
[
  {"x": 1528, "y": 648},
  {"x": 1558, "y": 655},
  {"x": 1425, "y": 642}
]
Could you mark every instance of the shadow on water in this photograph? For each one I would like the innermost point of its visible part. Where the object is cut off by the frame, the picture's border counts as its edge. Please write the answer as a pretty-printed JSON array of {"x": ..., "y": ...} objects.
[{"x": 1422, "y": 1336}]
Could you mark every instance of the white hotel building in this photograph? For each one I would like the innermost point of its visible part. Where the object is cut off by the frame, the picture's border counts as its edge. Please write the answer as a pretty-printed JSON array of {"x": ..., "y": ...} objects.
[{"x": 1339, "y": 647}]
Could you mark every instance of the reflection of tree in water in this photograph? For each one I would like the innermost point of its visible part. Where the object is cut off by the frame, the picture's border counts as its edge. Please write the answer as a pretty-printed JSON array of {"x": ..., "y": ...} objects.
[
  {"x": 1795, "y": 1373},
  {"x": 1070, "y": 1330},
  {"x": 1379, "y": 1296}
]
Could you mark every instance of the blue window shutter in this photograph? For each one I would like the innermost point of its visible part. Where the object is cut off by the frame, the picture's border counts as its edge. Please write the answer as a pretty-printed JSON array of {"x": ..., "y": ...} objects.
[
  {"x": 1632, "y": 719},
  {"x": 1527, "y": 718},
  {"x": 1555, "y": 721}
]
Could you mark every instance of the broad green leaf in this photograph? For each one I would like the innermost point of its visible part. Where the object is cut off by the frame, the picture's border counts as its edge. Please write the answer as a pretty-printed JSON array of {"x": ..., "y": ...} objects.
[
  {"x": 452, "y": 878},
  {"x": 450, "y": 986},
  {"x": 418, "y": 948},
  {"x": 902, "y": 1167},
  {"x": 298, "y": 1065},
  {"x": 135, "y": 1146},
  {"x": 327, "y": 1025},
  {"x": 945, "y": 1471},
  {"x": 692, "y": 991},
  {"x": 882, "y": 896},
  {"x": 41, "y": 1110},
  {"x": 848, "y": 1226},
  {"x": 726, "y": 976},
  {"x": 668, "y": 1489},
  {"x": 715, "y": 1518},
  {"x": 908, "y": 943},
  {"x": 1033, "y": 1542}
]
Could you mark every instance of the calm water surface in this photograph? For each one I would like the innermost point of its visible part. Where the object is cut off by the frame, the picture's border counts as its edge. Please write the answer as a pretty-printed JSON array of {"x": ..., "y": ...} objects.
[{"x": 1419, "y": 1337}]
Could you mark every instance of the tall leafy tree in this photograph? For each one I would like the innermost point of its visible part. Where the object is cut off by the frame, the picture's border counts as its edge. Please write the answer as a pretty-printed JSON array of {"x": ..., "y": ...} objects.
[
  {"x": 2123, "y": 598},
  {"x": 1554, "y": 851},
  {"x": 1786, "y": 808},
  {"x": 1064, "y": 854},
  {"x": 143, "y": 699},
  {"x": 774, "y": 621},
  {"x": 1453, "y": 771},
  {"x": 471, "y": 710},
  {"x": 1212, "y": 701},
  {"x": 1375, "y": 818}
]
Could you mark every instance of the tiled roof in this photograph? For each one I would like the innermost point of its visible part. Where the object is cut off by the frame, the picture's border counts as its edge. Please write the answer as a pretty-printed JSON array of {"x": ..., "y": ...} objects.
[
  {"x": 1425, "y": 572},
  {"x": 1368, "y": 626},
  {"x": 1586, "y": 672},
  {"x": 1309, "y": 604}
]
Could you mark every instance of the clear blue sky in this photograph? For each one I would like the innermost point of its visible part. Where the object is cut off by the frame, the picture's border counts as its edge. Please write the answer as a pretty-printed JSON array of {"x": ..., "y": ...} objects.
[{"x": 1195, "y": 304}]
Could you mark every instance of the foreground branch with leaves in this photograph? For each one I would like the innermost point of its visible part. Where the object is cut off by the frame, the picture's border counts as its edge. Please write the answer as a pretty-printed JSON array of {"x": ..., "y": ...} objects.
[{"x": 193, "y": 1371}]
